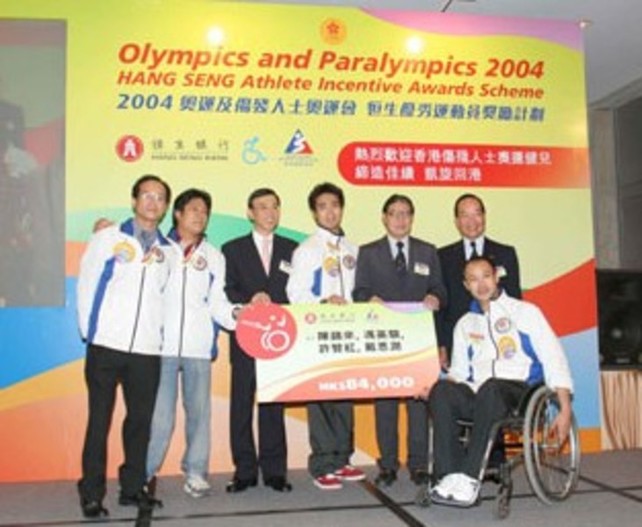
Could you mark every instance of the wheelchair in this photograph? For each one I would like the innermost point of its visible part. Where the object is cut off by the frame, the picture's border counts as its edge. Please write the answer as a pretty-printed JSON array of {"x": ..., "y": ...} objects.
[{"x": 552, "y": 469}]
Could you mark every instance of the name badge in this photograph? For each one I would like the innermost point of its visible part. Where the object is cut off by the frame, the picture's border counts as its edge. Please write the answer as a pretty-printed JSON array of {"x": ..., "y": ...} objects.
[
  {"x": 285, "y": 267},
  {"x": 501, "y": 271},
  {"x": 422, "y": 269}
]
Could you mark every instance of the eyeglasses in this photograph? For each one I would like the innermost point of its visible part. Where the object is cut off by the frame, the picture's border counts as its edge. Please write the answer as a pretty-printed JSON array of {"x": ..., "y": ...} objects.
[
  {"x": 262, "y": 208},
  {"x": 399, "y": 214},
  {"x": 152, "y": 196}
]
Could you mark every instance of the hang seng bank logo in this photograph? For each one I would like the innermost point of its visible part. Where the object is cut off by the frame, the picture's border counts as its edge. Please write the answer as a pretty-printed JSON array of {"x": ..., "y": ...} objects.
[
  {"x": 298, "y": 151},
  {"x": 130, "y": 148}
]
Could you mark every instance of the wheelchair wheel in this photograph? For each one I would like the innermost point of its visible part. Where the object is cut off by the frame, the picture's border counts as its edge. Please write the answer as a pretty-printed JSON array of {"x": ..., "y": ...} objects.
[{"x": 552, "y": 469}]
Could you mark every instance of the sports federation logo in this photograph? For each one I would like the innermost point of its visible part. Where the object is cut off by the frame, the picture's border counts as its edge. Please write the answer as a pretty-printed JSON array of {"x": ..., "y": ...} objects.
[
  {"x": 349, "y": 261},
  {"x": 199, "y": 263},
  {"x": 298, "y": 145},
  {"x": 503, "y": 325}
]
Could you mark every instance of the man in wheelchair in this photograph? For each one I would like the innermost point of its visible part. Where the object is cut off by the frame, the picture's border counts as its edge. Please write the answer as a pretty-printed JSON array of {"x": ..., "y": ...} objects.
[{"x": 501, "y": 348}]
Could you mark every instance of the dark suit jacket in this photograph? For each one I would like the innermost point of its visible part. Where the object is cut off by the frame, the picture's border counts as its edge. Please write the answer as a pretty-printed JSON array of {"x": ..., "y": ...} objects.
[
  {"x": 453, "y": 258},
  {"x": 376, "y": 273},
  {"x": 245, "y": 275}
]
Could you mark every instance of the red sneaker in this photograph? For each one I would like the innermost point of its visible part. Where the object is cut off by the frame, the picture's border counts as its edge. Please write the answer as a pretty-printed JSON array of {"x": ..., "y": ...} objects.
[
  {"x": 328, "y": 482},
  {"x": 350, "y": 473}
]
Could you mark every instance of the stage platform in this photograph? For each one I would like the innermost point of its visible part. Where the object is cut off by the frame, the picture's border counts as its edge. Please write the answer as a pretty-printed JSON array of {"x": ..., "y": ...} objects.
[{"x": 610, "y": 493}]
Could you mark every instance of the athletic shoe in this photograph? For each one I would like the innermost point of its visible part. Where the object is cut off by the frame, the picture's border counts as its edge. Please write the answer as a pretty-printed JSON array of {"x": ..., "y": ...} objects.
[
  {"x": 466, "y": 490},
  {"x": 459, "y": 490},
  {"x": 446, "y": 484},
  {"x": 350, "y": 473},
  {"x": 197, "y": 487},
  {"x": 328, "y": 482}
]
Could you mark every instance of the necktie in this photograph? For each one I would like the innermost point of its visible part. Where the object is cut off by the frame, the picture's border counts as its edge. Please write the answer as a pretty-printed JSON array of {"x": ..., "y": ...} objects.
[
  {"x": 266, "y": 245},
  {"x": 400, "y": 259},
  {"x": 473, "y": 252}
]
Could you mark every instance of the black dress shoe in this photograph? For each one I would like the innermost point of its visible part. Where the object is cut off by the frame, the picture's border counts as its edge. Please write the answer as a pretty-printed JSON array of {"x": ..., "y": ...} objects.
[
  {"x": 386, "y": 477},
  {"x": 278, "y": 483},
  {"x": 141, "y": 499},
  {"x": 239, "y": 485},
  {"x": 93, "y": 509},
  {"x": 419, "y": 476},
  {"x": 151, "y": 487}
]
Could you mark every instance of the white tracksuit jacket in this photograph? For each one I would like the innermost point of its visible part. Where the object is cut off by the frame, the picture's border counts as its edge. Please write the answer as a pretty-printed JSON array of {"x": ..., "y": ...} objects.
[
  {"x": 322, "y": 265},
  {"x": 512, "y": 341},
  {"x": 120, "y": 290},
  {"x": 195, "y": 301}
]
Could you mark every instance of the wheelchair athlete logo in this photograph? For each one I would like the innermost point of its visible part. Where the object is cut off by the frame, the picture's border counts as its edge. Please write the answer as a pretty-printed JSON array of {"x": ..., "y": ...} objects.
[{"x": 266, "y": 331}]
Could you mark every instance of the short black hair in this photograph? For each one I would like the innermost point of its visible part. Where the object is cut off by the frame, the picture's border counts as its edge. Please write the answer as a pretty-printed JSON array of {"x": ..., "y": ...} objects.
[
  {"x": 259, "y": 193},
  {"x": 398, "y": 198},
  {"x": 324, "y": 188},
  {"x": 151, "y": 177},
  {"x": 477, "y": 259},
  {"x": 188, "y": 195},
  {"x": 469, "y": 196}
]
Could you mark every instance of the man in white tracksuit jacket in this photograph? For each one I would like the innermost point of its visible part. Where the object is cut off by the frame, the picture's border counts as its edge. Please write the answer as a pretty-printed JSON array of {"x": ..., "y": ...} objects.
[
  {"x": 323, "y": 271},
  {"x": 122, "y": 278},
  {"x": 195, "y": 302},
  {"x": 502, "y": 346}
]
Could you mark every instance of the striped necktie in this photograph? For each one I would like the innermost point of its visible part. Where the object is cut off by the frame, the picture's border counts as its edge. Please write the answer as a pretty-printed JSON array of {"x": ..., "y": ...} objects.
[{"x": 400, "y": 259}]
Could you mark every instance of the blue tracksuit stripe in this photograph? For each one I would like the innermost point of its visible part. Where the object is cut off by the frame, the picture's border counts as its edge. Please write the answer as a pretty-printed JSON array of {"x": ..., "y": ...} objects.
[
  {"x": 316, "y": 284},
  {"x": 471, "y": 371},
  {"x": 214, "y": 349},
  {"x": 536, "y": 371},
  {"x": 209, "y": 286},
  {"x": 103, "y": 282},
  {"x": 127, "y": 227}
]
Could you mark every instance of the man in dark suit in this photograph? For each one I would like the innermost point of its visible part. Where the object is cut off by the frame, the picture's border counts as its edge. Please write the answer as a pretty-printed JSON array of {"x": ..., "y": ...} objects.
[
  {"x": 257, "y": 271},
  {"x": 470, "y": 220},
  {"x": 400, "y": 268}
]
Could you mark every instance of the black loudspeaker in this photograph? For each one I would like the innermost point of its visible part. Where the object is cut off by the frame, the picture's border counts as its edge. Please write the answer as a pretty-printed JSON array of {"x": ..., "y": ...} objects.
[{"x": 619, "y": 296}]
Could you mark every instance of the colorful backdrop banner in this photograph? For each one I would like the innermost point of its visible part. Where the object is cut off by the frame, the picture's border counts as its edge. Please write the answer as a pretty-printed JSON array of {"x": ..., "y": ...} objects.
[{"x": 233, "y": 96}]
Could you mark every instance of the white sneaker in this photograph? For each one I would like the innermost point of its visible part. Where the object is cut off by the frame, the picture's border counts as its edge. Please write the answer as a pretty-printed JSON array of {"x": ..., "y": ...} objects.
[
  {"x": 196, "y": 486},
  {"x": 445, "y": 485},
  {"x": 456, "y": 489},
  {"x": 466, "y": 490}
]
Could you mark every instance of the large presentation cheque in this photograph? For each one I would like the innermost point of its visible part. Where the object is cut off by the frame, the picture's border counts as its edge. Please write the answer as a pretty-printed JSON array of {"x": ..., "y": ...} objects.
[{"x": 308, "y": 352}]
